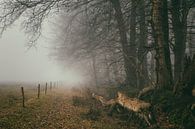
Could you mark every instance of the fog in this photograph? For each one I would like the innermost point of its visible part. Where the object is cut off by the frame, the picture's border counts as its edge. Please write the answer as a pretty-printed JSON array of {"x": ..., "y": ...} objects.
[{"x": 18, "y": 63}]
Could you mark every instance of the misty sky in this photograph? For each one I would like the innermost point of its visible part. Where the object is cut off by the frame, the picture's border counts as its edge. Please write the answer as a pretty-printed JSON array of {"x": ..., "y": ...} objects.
[{"x": 18, "y": 64}]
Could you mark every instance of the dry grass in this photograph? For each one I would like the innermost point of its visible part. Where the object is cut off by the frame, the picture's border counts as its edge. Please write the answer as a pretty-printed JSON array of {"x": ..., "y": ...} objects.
[{"x": 52, "y": 111}]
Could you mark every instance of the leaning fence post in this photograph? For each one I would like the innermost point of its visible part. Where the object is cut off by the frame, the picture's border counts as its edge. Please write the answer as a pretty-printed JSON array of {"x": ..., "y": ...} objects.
[
  {"x": 39, "y": 90},
  {"x": 46, "y": 88},
  {"x": 22, "y": 89}
]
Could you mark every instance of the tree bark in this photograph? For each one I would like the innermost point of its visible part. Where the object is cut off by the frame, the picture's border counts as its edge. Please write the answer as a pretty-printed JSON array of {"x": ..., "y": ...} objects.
[
  {"x": 163, "y": 75},
  {"x": 108, "y": 70},
  {"x": 143, "y": 74},
  {"x": 123, "y": 40},
  {"x": 134, "y": 67},
  {"x": 94, "y": 69},
  {"x": 165, "y": 29},
  {"x": 179, "y": 20}
]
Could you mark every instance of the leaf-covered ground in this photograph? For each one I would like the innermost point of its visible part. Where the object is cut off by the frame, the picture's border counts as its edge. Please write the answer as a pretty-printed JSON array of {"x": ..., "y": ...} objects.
[
  {"x": 52, "y": 111},
  {"x": 72, "y": 109}
]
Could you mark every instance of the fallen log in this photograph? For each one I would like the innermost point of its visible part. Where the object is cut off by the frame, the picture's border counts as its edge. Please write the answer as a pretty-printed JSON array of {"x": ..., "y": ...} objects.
[
  {"x": 147, "y": 89},
  {"x": 131, "y": 104}
]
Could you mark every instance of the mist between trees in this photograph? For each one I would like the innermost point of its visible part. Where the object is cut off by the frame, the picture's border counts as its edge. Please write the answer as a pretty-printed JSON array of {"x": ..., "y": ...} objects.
[
  {"x": 115, "y": 41},
  {"x": 133, "y": 44}
]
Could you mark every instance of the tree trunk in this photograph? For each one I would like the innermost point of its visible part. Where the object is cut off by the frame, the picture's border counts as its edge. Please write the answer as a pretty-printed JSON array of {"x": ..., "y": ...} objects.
[
  {"x": 163, "y": 75},
  {"x": 94, "y": 69},
  {"x": 165, "y": 29},
  {"x": 190, "y": 36},
  {"x": 123, "y": 40},
  {"x": 132, "y": 48},
  {"x": 179, "y": 21},
  {"x": 107, "y": 71},
  {"x": 143, "y": 74}
]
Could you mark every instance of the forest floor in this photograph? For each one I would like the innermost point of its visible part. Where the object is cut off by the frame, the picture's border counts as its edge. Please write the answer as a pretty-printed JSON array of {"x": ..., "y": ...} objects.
[
  {"x": 52, "y": 111},
  {"x": 63, "y": 108}
]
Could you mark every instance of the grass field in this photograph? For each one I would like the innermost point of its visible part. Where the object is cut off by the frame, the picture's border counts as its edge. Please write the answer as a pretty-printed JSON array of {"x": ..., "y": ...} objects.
[{"x": 55, "y": 110}]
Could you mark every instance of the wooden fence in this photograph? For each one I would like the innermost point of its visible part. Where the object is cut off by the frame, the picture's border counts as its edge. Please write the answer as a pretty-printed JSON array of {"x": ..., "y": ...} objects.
[{"x": 45, "y": 87}]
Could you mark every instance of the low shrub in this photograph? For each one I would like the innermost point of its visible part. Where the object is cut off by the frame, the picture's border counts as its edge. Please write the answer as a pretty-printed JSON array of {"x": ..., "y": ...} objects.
[{"x": 78, "y": 101}]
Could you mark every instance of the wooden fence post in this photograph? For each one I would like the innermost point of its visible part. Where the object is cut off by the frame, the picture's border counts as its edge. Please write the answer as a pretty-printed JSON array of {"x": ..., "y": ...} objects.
[
  {"x": 22, "y": 89},
  {"x": 46, "y": 88},
  {"x": 39, "y": 90},
  {"x": 50, "y": 85}
]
